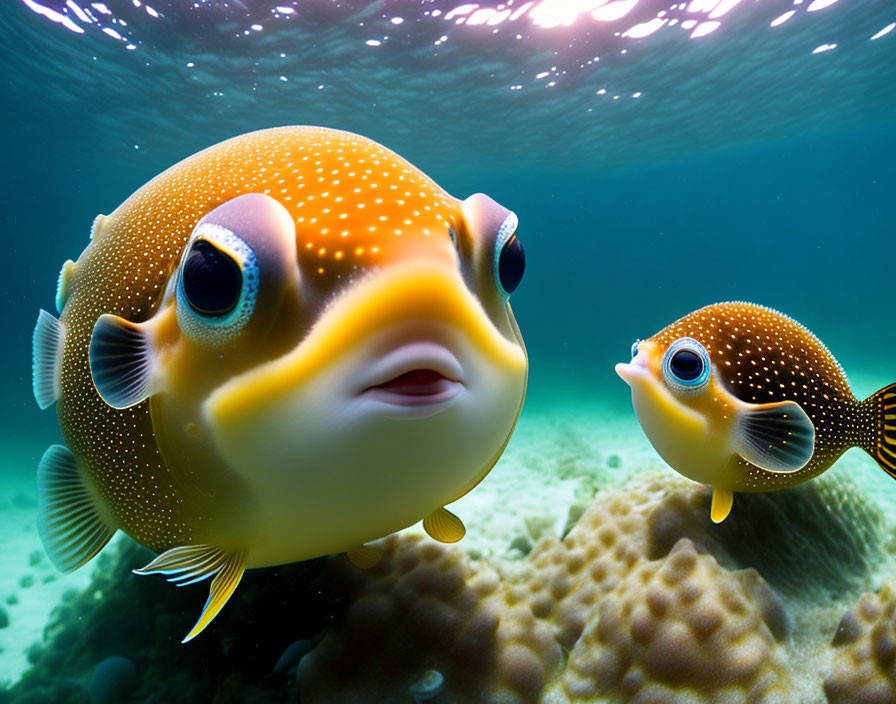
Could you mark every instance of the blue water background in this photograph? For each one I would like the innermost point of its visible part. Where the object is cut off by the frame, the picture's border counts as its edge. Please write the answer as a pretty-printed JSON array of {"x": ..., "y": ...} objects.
[{"x": 774, "y": 183}]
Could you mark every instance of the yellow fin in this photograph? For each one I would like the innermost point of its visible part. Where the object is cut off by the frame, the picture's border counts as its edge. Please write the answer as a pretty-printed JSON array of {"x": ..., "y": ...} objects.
[
  {"x": 192, "y": 563},
  {"x": 722, "y": 500},
  {"x": 444, "y": 526},
  {"x": 363, "y": 557}
]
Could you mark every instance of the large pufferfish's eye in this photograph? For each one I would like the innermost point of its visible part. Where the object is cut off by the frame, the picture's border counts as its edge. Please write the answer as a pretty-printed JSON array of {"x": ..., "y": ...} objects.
[
  {"x": 686, "y": 366},
  {"x": 510, "y": 260},
  {"x": 212, "y": 280},
  {"x": 217, "y": 285},
  {"x": 635, "y": 348}
]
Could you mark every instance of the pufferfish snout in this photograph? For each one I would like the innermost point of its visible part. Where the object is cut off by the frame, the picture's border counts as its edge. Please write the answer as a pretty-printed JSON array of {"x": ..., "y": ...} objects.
[{"x": 295, "y": 342}]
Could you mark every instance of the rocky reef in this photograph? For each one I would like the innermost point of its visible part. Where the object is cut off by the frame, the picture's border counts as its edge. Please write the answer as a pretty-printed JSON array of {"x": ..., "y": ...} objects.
[{"x": 642, "y": 600}]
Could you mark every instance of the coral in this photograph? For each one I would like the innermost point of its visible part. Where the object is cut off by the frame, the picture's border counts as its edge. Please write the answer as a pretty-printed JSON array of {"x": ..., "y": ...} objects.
[
  {"x": 823, "y": 536},
  {"x": 568, "y": 577},
  {"x": 428, "y": 607},
  {"x": 642, "y": 618},
  {"x": 642, "y": 600},
  {"x": 681, "y": 629},
  {"x": 863, "y": 667}
]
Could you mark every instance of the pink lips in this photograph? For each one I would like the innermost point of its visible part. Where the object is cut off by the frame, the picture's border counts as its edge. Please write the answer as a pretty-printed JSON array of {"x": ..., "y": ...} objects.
[
  {"x": 413, "y": 375},
  {"x": 418, "y": 387}
]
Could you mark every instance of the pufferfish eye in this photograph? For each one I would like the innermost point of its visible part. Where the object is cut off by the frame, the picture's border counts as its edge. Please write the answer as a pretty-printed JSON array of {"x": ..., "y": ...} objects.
[
  {"x": 217, "y": 285},
  {"x": 635, "y": 348},
  {"x": 212, "y": 280},
  {"x": 510, "y": 260},
  {"x": 686, "y": 366}
]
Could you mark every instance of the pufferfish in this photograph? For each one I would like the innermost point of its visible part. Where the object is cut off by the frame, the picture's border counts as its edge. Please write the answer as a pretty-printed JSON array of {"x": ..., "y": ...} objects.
[
  {"x": 746, "y": 399},
  {"x": 283, "y": 347}
]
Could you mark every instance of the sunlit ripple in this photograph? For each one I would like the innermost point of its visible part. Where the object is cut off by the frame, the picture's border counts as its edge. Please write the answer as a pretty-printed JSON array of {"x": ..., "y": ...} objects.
[
  {"x": 116, "y": 18},
  {"x": 587, "y": 68}
]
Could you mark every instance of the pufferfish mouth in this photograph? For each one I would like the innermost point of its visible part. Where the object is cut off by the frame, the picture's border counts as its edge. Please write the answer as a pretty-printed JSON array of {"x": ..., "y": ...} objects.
[{"x": 415, "y": 375}]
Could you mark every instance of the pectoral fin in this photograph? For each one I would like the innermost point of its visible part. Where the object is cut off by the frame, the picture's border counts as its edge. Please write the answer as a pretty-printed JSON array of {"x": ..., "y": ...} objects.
[
  {"x": 444, "y": 526},
  {"x": 776, "y": 437},
  {"x": 121, "y": 360},
  {"x": 46, "y": 359},
  {"x": 69, "y": 521},
  {"x": 192, "y": 563}
]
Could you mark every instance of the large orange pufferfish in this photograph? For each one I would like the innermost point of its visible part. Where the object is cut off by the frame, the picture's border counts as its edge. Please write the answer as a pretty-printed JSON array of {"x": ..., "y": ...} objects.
[{"x": 285, "y": 346}]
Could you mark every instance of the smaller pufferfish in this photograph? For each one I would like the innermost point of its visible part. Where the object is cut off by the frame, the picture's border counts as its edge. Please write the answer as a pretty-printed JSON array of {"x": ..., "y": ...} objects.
[
  {"x": 285, "y": 346},
  {"x": 745, "y": 399}
]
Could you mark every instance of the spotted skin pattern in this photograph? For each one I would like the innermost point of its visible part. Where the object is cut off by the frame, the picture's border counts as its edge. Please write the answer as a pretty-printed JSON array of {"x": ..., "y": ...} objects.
[
  {"x": 357, "y": 206},
  {"x": 763, "y": 356}
]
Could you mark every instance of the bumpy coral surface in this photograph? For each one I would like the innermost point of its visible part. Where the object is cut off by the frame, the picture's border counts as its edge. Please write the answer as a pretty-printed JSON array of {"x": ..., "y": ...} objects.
[
  {"x": 864, "y": 663},
  {"x": 681, "y": 629},
  {"x": 644, "y": 600},
  {"x": 427, "y": 607},
  {"x": 614, "y": 611}
]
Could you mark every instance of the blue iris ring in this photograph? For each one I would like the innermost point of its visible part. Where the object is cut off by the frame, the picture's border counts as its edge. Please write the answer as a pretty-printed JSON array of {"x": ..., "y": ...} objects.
[{"x": 686, "y": 367}]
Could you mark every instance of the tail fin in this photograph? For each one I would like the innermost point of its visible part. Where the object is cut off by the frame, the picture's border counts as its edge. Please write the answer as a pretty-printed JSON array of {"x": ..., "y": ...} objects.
[{"x": 879, "y": 414}]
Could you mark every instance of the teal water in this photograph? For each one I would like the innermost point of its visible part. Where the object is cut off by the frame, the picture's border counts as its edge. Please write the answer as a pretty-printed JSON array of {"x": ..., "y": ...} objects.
[{"x": 670, "y": 173}]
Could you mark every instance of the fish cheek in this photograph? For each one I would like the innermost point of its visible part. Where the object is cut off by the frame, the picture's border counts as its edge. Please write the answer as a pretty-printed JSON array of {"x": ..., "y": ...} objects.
[{"x": 193, "y": 461}]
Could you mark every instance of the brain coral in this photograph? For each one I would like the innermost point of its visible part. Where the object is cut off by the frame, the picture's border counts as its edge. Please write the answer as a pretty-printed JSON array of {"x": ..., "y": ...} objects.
[
  {"x": 642, "y": 601},
  {"x": 428, "y": 607},
  {"x": 682, "y": 629},
  {"x": 593, "y": 616},
  {"x": 864, "y": 661}
]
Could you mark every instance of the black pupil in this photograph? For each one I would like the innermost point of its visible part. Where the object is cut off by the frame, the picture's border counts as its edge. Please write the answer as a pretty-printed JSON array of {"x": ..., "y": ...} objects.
[
  {"x": 686, "y": 365},
  {"x": 212, "y": 280},
  {"x": 511, "y": 265}
]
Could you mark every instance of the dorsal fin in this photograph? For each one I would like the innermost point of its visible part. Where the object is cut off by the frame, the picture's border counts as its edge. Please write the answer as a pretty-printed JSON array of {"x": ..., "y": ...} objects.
[
  {"x": 121, "y": 361},
  {"x": 63, "y": 284},
  {"x": 191, "y": 563},
  {"x": 96, "y": 226},
  {"x": 46, "y": 358},
  {"x": 70, "y": 526}
]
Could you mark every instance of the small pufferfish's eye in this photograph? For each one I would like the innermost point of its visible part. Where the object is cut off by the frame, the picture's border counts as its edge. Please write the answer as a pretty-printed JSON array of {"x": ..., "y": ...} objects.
[
  {"x": 635, "y": 348},
  {"x": 212, "y": 280},
  {"x": 686, "y": 366}
]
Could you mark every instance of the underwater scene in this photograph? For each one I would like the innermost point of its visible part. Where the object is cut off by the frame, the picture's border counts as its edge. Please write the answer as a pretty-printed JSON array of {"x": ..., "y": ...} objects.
[{"x": 430, "y": 351}]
